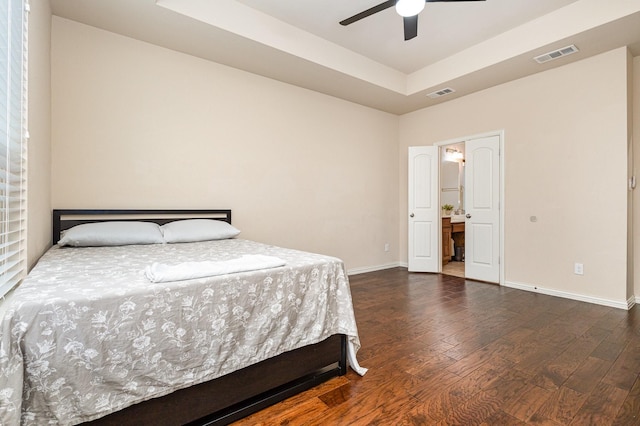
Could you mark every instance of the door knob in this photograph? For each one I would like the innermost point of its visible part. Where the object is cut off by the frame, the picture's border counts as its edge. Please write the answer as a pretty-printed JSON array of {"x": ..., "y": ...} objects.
[
  {"x": 411, "y": 215},
  {"x": 468, "y": 216}
]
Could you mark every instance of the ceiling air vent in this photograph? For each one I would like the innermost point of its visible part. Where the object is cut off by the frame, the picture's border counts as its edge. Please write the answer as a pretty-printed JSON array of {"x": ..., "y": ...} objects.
[
  {"x": 441, "y": 92},
  {"x": 556, "y": 54}
]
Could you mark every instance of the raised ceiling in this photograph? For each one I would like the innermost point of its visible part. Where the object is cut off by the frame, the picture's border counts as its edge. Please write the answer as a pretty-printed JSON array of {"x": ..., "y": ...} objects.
[
  {"x": 465, "y": 46},
  {"x": 443, "y": 28}
]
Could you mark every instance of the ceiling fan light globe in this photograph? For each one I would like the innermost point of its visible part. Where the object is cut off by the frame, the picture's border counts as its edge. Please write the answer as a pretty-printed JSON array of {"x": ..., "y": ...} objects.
[{"x": 407, "y": 8}]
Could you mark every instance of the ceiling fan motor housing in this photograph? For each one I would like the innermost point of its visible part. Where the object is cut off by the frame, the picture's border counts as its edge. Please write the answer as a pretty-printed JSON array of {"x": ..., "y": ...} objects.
[{"x": 408, "y": 9}]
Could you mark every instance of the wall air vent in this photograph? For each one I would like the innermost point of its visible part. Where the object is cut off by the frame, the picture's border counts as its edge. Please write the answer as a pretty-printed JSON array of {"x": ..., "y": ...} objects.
[
  {"x": 556, "y": 54},
  {"x": 440, "y": 92}
]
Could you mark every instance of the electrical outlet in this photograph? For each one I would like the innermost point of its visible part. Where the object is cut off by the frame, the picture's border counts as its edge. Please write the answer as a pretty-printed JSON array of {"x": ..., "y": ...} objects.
[
  {"x": 386, "y": 247},
  {"x": 578, "y": 269}
]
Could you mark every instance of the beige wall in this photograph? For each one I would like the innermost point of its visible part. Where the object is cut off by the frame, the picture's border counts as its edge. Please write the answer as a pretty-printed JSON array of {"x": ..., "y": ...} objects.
[
  {"x": 139, "y": 126},
  {"x": 39, "y": 148},
  {"x": 565, "y": 162},
  {"x": 630, "y": 192},
  {"x": 135, "y": 125},
  {"x": 636, "y": 171}
]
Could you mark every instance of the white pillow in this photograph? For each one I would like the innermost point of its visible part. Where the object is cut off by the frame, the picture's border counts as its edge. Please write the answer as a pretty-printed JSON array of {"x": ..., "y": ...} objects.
[
  {"x": 112, "y": 234},
  {"x": 190, "y": 230}
]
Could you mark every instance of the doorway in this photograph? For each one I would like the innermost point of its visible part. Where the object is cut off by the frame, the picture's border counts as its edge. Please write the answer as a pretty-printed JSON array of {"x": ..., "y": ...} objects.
[
  {"x": 452, "y": 172},
  {"x": 480, "y": 200}
]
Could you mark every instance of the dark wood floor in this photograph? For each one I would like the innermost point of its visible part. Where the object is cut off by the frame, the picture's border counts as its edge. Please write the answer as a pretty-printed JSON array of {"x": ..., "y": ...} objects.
[{"x": 445, "y": 351}]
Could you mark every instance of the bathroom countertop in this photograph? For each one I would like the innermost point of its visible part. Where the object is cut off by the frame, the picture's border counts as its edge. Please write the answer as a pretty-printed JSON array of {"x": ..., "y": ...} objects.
[{"x": 456, "y": 218}]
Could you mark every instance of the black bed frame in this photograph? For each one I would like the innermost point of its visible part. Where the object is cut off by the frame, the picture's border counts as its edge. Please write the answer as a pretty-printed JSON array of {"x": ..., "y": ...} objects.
[
  {"x": 64, "y": 219},
  {"x": 235, "y": 395}
]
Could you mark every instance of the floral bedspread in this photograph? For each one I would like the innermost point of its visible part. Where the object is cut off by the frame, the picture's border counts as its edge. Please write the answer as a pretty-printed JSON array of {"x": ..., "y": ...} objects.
[{"x": 92, "y": 335}]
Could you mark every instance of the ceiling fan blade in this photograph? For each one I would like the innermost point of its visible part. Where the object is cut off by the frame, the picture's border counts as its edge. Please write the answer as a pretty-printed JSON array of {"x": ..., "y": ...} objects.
[
  {"x": 369, "y": 12},
  {"x": 410, "y": 27}
]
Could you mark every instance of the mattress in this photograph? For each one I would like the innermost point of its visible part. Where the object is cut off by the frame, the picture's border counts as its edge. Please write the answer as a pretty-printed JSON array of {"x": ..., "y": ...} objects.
[{"x": 93, "y": 335}]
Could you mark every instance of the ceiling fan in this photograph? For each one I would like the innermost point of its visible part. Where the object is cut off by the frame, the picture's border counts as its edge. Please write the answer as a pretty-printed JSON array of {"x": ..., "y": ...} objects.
[{"x": 408, "y": 9}]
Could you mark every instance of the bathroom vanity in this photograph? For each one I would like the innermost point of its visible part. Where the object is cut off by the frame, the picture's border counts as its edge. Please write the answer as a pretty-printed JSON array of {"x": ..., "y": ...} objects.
[
  {"x": 446, "y": 240},
  {"x": 452, "y": 228}
]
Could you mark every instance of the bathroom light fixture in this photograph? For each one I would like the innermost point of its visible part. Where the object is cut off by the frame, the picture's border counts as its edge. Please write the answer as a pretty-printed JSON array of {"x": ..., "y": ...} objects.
[
  {"x": 408, "y": 8},
  {"x": 452, "y": 154}
]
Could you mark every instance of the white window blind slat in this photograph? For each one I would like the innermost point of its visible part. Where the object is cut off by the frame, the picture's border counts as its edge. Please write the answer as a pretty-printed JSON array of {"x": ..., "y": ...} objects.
[
  {"x": 11, "y": 266},
  {"x": 10, "y": 247},
  {"x": 11, "y": 227},
  {"x": 7, "y": 246},
  {"x": 12, "y": 276},
  {"x": 13, "y": 127}
]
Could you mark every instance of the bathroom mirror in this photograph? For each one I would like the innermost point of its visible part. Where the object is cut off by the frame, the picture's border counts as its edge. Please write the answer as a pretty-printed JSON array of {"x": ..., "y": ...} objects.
[{"x": 452, "y": 176}]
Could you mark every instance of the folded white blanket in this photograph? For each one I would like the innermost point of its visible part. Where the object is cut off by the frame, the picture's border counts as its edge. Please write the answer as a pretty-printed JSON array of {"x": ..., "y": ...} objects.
[{"x": 158, "y": 272}]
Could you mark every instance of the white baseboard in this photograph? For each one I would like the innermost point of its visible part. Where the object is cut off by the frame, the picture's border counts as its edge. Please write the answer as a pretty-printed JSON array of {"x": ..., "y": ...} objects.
[
  {"x": 574, "y": 296},
  {"x": 364, "y": 270},
  {"x": 522, "y": 286}
]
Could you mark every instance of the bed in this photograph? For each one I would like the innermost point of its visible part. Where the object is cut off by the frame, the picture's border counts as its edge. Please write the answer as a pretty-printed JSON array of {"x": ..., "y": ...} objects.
[{"x": 103, "y": 334}]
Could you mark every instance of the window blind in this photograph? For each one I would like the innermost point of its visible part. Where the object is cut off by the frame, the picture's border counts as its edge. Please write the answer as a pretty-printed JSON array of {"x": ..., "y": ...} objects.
[{"x": 13, "y": 135}]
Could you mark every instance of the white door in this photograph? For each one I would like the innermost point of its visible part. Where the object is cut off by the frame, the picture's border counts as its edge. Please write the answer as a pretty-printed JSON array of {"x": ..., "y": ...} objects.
[
  {"x": 424, "y": 211},
  {"x": 482, "y": 208}
]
